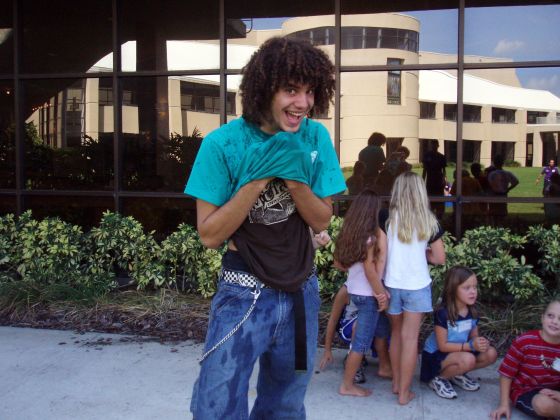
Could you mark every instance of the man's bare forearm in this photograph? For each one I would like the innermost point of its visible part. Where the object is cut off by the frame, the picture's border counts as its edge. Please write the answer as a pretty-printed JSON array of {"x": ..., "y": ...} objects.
[{"x": 216, "y": 224}]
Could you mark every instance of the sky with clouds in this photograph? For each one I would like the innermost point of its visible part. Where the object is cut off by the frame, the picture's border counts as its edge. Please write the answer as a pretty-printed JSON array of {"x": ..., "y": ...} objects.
[{"x": 521, "y": 33}]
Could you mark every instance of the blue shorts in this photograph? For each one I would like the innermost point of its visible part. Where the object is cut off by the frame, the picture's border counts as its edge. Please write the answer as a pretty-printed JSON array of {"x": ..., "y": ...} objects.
[
  {"x": 410, "y": 300},
  {"x": 382, "y": 330},
  {"x": 367, "y": 322}
]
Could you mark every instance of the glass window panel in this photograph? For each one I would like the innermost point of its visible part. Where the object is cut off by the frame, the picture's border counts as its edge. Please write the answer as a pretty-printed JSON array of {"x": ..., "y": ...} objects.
[
  {"x": 161, "y": 214},
  {"x": 7, "y": 204},
  {"x": 73, "y": 209},
  {"x": 519, "y": 216},
  {"x": 7, "y": 136},
  {"x": 413, "y": 36},
  {"x": 60, "y": 37},
  {"x": 163, "y": 127},
  {"x": 365, "y": 110},
  {"x": 6, "y": 37},
  {"x": 252, "y": 30},
  {"x": 178, "y": 35},
  {"x": 514, "y": 33},
  {"x": 517, "y": 120},
  {"x": 68, "y": 135}
]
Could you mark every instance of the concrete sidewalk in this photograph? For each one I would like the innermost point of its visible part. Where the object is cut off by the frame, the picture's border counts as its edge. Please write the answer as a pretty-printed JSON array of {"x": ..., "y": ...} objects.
[{"x": 59, "y": 375}]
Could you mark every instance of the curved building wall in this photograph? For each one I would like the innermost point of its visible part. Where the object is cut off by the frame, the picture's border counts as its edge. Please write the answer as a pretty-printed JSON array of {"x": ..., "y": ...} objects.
[{"x": 365, "y": 107}]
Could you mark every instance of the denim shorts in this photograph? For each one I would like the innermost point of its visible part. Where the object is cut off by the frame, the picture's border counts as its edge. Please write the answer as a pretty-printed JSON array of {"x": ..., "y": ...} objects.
[
  {"x": 410, "y": 300},
  {"x": 367, "y": 322},
  {"x": 221, "y": 390}
]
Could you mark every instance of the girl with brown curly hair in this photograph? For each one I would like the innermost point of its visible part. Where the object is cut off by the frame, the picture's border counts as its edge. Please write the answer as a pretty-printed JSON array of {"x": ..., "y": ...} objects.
[{"x": 357, "y": 251}]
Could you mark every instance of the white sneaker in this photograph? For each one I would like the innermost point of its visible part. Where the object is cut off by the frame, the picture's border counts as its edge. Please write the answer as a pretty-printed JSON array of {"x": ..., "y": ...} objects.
[
  {"x": 443, "y": 388},
  {"x": 466, "y": 382}
]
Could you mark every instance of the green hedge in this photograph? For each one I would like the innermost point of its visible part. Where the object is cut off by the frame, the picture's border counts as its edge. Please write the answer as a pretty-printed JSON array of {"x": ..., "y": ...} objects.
[{"x": 54, "y": 260}]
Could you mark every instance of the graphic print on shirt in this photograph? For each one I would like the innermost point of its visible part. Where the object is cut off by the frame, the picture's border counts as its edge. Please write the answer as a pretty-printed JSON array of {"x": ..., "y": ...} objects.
[{"x": 274, "y": 205}]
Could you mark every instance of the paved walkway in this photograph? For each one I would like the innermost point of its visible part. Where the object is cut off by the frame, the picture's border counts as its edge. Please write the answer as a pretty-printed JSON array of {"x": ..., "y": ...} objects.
[{"x": 59, "y": 375}]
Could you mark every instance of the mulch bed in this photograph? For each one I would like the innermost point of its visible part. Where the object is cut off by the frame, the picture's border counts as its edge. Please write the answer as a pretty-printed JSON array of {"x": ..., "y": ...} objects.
[{"x": 168, "y": 319}]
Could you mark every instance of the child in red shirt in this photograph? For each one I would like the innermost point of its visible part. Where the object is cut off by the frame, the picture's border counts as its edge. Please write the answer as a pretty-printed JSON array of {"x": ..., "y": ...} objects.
[{"x": 530, "y": 372}]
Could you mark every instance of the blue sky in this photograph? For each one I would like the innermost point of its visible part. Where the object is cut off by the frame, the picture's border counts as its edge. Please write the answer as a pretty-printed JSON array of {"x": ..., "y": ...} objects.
[{"x": 522, "y": 33}]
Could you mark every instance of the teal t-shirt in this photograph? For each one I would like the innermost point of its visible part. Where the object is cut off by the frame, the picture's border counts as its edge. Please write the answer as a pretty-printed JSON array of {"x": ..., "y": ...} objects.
[{"x": 239, "y": 152}]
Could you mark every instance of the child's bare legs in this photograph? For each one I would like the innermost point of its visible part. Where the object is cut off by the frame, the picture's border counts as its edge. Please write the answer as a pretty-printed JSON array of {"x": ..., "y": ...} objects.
[
  {"x": 461, "y": 362},
  {"x": 395, "y": 349},
  {"x": 381, "y": 347},
  {"x": 486, "y": 358},
  {"x": 409, "y": 353},
  {"x": 547, "y": 403},
  {"x": 348, "y": 387},
  {"x": 457, "y": 363}
]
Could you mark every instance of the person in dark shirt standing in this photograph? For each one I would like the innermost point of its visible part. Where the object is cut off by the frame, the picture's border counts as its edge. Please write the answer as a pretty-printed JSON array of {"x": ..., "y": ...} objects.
[
  {"x": 433, "y": 172},
  {"x": 373, "y": 156}
]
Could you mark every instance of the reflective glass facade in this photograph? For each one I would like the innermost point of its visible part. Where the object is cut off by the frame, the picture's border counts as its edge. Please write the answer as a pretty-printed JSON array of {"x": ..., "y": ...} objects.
[{"x": 109, "y": 115}]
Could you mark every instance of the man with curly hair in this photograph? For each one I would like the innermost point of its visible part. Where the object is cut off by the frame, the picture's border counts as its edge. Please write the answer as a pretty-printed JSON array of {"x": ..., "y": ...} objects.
[{"x": 261, "y": 181}]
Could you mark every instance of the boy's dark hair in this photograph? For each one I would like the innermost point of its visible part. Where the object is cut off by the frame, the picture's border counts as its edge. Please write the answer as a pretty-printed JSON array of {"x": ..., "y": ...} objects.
[
  {"x": 498, "y": 161},
  {"x": 376, "y": 139},
  {"x": 476, "y": 169},
  {"x": 276, "y": 64}
]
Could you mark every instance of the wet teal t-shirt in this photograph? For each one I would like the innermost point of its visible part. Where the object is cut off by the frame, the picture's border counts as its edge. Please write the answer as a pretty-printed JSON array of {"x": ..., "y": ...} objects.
[
  {"x": 273, "y": 240},
  {"x": 240, "y": 152}
]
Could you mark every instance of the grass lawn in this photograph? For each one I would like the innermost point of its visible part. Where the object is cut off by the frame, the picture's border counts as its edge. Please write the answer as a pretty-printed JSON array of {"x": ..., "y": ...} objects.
[{"x": 526, "y": 187}]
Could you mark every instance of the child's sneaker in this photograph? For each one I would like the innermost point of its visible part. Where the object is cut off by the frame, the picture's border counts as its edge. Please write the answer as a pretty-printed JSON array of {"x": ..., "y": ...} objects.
[
  {"x": 466, "y": 382},
  {"x": 443, "y": 388}
]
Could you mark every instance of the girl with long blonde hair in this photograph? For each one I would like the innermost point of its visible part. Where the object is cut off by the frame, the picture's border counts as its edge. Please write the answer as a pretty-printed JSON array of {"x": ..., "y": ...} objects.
[{"x": 410, "y": 240}]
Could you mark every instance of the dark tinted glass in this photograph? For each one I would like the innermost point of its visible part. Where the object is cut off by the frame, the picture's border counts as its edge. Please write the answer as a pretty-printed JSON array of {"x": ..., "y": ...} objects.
[
  {"x": 65, "y": 36},
  {"x": 7, "y": 135},
  {"x": 82, "y": 211},
  {"x": 7, "y": 204},
  {"x": 6, "y": 37},
  {"x": 163, "y": 127},
  {"x": 170, "y": 35},
  {"x": 68, "y": 135},
  {"x": 161, "y": 214}
]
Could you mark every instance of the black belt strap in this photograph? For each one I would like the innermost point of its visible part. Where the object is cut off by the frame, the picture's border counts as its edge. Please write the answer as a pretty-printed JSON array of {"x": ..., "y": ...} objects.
[{"x": 300, "y": 332}]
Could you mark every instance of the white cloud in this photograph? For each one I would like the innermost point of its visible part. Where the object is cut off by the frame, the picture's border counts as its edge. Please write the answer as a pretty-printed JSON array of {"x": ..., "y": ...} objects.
[
  {"x": 505, "y": 46},
  {"x": 544, "y": 83}
]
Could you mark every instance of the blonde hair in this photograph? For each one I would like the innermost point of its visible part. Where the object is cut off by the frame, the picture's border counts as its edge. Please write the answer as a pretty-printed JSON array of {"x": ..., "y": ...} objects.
[{"x": 409, "y": 209}]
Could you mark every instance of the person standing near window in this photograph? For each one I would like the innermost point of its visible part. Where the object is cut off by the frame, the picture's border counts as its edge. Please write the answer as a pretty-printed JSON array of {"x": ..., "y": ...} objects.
[{"x": 260, "y": 182}]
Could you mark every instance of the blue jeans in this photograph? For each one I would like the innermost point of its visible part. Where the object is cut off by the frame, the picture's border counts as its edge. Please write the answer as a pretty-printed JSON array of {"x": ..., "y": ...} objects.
[
  {"x": 367, "y": 322},
  {"x": 268, "y": 335}
]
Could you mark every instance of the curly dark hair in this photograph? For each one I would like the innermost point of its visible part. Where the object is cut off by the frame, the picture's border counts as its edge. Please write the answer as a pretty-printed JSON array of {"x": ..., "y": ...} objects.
[
  {"x": 277, "y": 63},
  {"x": 359, "y": 226}
]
